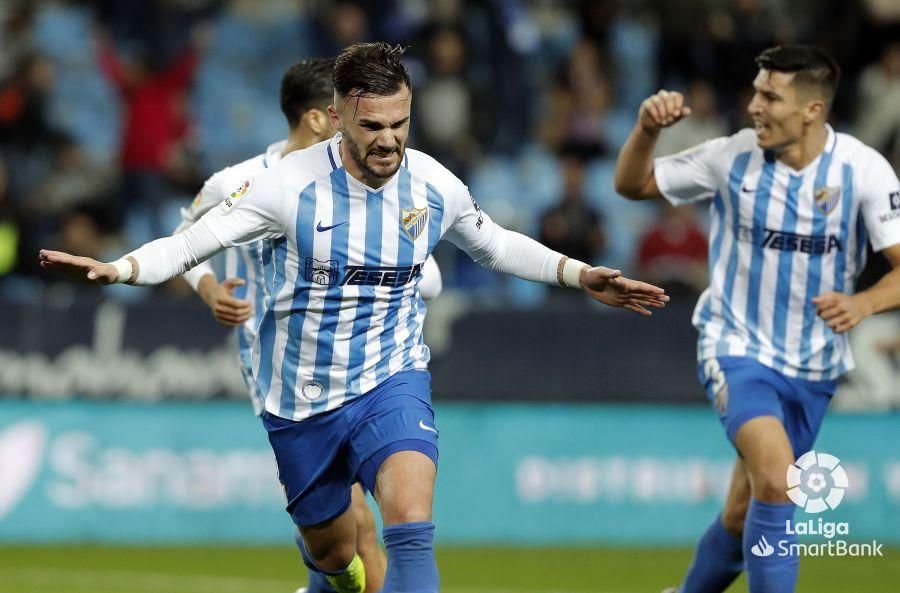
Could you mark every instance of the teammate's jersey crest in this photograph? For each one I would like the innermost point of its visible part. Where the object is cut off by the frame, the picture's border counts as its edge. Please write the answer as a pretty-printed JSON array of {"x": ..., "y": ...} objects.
[
  {"x": 414, "y": 221},
  {"x": 242, "y": 190},
  {"x": 827, "y": 198}
]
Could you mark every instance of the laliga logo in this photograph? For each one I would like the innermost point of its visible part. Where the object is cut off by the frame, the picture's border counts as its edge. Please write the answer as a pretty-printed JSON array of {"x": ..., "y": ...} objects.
[{"x": 816, "y": 482}]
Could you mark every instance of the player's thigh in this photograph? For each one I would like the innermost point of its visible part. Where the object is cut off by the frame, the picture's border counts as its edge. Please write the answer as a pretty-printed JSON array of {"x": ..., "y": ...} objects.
[
  {"x": 740, "y": 389},
  {"x": 805, "y": 404},
  {"x": 767, "y": 453},
  {"x": 313, "y": 466},
  {"x": 396, "y": 432}
]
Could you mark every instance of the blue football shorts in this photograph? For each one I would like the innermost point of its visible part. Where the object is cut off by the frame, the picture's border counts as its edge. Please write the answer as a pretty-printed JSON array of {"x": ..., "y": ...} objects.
[
  {"x": 320, "y": 458},
  {"x": 742, "y": 388}
]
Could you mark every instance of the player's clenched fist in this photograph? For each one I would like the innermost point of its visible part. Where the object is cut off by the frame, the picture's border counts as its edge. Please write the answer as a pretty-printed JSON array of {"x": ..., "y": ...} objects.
[{"x": 662, "y": 110}]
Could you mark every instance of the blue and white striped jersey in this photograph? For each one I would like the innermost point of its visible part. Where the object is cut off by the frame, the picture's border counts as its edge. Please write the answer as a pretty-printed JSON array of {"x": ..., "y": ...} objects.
[
  {"x": 780, "y": 237},
  {"x": 343, "y": 262},
  {"x": 244, "y": 261}
]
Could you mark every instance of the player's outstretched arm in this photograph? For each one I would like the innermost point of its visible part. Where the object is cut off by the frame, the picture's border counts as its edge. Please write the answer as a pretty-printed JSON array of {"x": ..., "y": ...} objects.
[
  {"x": 153, "y": 263},
  {"x": 634, "y": 167},
  {"x": 611, "y": 288},
  {"x": 843, "y": 312}
]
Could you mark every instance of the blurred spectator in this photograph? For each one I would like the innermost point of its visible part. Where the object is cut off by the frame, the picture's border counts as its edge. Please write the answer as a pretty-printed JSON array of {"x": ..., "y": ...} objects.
[
  {"x": 23, "y": 103},
  {"x": 445, "y": 104},
  {"x": 9, "y": 228},
  {"x": 878, "y": 124},
  {"x": 80, "y": 233},
  {"x": 73, "y": 182},
  {"x": 345, "y": 24},
  {"x": 578, "y": 103},
  {"x": 15, "y": 35},
  {"x": 672, "y": 252},
  {"x": 572, "y": 227},
  {"x": 156, "y": 120},
  {"x": 703, "y": 124}
]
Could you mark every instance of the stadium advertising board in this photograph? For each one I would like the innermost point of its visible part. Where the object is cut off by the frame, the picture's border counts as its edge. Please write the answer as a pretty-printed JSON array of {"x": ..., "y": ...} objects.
[{"x": 527, "y": 474}]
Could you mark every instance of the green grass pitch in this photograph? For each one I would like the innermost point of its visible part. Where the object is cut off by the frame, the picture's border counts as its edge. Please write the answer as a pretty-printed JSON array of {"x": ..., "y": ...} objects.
[{"x": 94, "y": 569}]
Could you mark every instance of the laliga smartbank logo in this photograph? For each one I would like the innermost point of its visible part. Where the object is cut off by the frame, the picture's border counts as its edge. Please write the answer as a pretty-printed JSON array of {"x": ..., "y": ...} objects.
[{"x": 816, "y": 483}]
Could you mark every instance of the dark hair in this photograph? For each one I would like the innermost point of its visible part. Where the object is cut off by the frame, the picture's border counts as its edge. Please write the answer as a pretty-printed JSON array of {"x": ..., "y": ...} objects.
[
  {"x": 370, "y": 69},
  {"x": 811, "y": 66},
  {"x": 306, "y": 85}
]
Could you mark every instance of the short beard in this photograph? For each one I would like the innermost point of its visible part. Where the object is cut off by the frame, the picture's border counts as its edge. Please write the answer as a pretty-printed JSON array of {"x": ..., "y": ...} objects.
[{"x": 373, "y": 178}]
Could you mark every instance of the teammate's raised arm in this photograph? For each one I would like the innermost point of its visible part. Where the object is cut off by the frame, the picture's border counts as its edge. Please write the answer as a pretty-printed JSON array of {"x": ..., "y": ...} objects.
[{"x": 634, "y": 167}]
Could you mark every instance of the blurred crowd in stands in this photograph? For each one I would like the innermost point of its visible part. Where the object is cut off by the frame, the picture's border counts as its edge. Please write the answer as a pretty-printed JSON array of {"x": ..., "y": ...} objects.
[{"x": 113, "y": 113}]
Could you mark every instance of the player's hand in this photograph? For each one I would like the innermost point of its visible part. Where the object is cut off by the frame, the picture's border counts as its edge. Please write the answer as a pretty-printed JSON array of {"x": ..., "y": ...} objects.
[
  {"x": 842, "y": 312},
  {"x": 662, "y": 110},
  {"x": 83, "y": 269},
  {"x": 611, "y": 288},
  {"x": 227, "y": 309}
]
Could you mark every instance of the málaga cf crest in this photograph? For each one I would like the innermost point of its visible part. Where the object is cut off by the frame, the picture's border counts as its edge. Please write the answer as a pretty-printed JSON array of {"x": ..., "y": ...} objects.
[
  {"x": 414, "y": 221},
  {"x": 827, "y": 198}
]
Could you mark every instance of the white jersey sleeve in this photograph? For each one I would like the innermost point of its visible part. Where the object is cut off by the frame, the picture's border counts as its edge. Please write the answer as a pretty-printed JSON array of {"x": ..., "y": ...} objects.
[
  {"x": 253, "y": 211},
  {"x": 495, "y": 247},
  {"x": 210, "y": 195},
  {"x": 431, "y": 284},
  {"x": 879, "y": 200},
  {"x": 690, "y": 175}
]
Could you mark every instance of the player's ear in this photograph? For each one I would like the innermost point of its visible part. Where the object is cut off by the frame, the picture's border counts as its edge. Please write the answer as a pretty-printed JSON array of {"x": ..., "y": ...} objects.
[
  {"x": 317, "y": 120},
  {"x": 814, "y": 110},
  {"x": 335, "y": 118}
]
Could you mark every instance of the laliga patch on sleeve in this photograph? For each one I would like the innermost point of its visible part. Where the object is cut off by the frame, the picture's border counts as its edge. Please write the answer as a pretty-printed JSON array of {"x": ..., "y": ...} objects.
[{"x": 242, "y": 190}]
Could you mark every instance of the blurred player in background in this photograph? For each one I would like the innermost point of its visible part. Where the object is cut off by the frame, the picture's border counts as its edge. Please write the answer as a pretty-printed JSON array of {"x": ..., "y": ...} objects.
[
  {"x": 239, "y": 301},
  {"x": 793, "y": 205},
  {"x": 340, "y": 360}
]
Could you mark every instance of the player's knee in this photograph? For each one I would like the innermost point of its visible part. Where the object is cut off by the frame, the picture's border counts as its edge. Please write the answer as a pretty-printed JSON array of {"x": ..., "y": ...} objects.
[
  {"x": 407, "y": 510},
  {"x": 770, "y": 485},
  {"x": 334, "y": 556}
]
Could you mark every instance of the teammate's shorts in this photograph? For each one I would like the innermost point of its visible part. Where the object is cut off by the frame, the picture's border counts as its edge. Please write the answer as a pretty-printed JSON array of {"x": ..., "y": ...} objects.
[
  {"x": 320, "y": 458},
  {"x": 741, "y": 389}
]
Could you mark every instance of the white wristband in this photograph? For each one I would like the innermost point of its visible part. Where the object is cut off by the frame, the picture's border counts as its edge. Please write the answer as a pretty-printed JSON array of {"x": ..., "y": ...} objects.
[
  {"x": 125, "y": 269},
  {"x": 571, "y": 273}
]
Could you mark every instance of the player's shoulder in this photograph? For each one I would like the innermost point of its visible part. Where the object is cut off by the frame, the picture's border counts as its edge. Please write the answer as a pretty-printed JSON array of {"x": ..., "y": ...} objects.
[
  {"x": 856, "y": 153},
  {"x": 743, "y": 140},
  {"x": 236, "y": 173},
  {"x": 302, "y": 167},
  {"x": 428, "y": 169},
  {"x": 720, "y": 149}
]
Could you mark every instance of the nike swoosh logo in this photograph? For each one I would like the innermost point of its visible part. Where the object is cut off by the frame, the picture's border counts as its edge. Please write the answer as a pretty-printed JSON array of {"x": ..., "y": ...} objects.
[
  {"x": 424, "y": 427},
  {"x": 322, "y": 229},
  {"x": 747, "y": 189}
]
